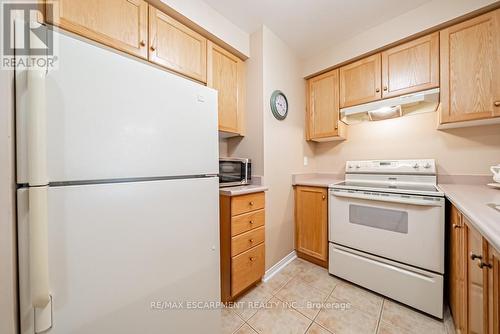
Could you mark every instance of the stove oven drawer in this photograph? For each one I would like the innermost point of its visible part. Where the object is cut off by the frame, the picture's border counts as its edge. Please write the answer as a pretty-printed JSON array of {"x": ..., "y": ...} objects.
[
  {"x": 408, "y": 231},
  {"x": 418, "y": 288}
]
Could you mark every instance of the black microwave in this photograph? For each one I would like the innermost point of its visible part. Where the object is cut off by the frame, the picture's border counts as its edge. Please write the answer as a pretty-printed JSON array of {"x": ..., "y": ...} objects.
[{"x": 234, "y": 172}]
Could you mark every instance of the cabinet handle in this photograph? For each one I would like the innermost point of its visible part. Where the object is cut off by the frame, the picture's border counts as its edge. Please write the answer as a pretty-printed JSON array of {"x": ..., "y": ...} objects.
[
  {"x": 250, "y": 240},
  {"x": 152, "y": 48},
  {"x": 143, "y": 43},
  {"x": 456, "y": 226},
  {"x": 497, "y": 103},
  {"x": 251, "y": 203},
  {"x": 481, "y": 265},
  {"x": 475, "y": 257},
  {"x": 385, "y": 88},
  {"x": 323, "y": 197},
  {"x": 377, "y": 90},
  {"x": 252, "y": 259},
  {"x": 250, "y": 222}
]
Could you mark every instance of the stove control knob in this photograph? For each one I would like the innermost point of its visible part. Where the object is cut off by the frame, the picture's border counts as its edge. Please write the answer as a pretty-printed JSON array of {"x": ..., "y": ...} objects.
[
  {"x": 427, "y": 165},
  {"x": 349, "y": 166},
  {"x": 416, "y": 166},
  {"x": 358, "y": 166}
]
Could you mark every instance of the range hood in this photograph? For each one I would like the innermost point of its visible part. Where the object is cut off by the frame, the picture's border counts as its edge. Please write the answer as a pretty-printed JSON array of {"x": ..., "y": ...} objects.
[{"x": 410, "y": 104}]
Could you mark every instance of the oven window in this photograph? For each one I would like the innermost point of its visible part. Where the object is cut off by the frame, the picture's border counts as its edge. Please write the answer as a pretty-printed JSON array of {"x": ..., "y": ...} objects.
[{"x": 384, "y": 219}]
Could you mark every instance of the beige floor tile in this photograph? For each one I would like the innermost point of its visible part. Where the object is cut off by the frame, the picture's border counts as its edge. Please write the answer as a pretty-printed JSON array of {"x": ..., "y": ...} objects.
[
  {"x": 317, "y": 329},
  {"x": 251, "y": 302},
  {"x": 358, "y": 297},
  {"x": 319, "y": 278},
  {"x": 279, "y": 319},
  {"x": 301, "y": 296},
  {"x": 230, "y": 321},
  {"x": 346, "y": 321},
  {"x": 409, "y": 320},
  {"x": 385, "y": 328},
  {"x": 245, "y": 329},
  {"x": 276, "y": 282},
  {"x": 297, "y": 266}
]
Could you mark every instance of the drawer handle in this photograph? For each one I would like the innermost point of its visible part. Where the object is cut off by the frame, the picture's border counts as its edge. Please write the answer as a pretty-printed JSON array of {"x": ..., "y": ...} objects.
[
  {"x": 250, "y": 240},
  {"x": 252, "y": 258},
  {"x": 456, "y": 226},
  {"x": 251, "y": 222},
  {"x": 497, "y": 103},
  {"x": 251, "y": 203}
]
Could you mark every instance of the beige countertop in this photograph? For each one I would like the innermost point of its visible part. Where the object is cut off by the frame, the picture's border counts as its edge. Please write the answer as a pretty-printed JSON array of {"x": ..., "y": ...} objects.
[
  {"x": 242, "y": 190},
  {"x": 480, "y": 204},
  {"x": 316, "y": 179}
]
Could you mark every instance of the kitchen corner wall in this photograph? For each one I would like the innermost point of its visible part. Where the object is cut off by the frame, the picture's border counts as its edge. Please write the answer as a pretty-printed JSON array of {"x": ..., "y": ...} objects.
[{"x": 277, "y": 148}]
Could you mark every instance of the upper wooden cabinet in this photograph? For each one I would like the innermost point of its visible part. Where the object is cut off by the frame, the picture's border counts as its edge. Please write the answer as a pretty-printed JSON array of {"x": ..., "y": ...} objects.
[
  {"x": 360, "y": 81},
  {"x": 226, "y": 74},
  {"x": 411, "y": 66},
  {"x": 121, "y": 24},
  {"x": 470, "y": 69},
  {"x": 323, "y": 107},
  {"x": 311, "y": 224},
  {"x": 176, "y": 47}
]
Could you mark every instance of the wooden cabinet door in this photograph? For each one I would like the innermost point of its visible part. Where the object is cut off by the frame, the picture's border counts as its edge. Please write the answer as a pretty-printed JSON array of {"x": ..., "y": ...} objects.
[
  {"x": 121, "y": 24},
  {"x": 457, "y": 270},
  {"x": 176, "y": 47},
  {"x": 360, "y": 81},
  {"x": 311, "y": 219},
  {"x": 470, "y": 70},
  {"x": 476, "y": 288},
  {"x": 493, "y": 291},
  {"x": 323, "y": 105},
  {"x": 226, "y": 74},
  {"x": 411, "y": 67}
]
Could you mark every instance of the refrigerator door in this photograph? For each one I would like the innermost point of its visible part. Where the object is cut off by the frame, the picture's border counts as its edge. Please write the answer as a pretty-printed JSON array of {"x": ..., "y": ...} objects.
[
  {"x": 111, "y": 116},
  {"x": 132, "y": 257}
]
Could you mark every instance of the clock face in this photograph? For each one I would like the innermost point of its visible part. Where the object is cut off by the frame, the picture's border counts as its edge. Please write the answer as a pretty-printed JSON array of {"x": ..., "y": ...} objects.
[{"x": 279, "y": 105}]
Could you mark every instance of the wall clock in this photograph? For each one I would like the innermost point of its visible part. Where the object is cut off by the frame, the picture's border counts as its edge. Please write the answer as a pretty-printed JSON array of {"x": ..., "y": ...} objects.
[{"x": 279, "y": 105}]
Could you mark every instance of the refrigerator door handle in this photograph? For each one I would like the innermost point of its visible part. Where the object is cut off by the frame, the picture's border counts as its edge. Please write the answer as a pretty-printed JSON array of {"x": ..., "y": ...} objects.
[
  {"x": 38, "y": 247},
  {"x": 37, "y": 128}
]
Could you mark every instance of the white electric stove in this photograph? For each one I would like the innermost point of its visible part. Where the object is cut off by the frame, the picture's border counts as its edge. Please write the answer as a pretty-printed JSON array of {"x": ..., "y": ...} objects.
[{"x": 386, "y": 231}]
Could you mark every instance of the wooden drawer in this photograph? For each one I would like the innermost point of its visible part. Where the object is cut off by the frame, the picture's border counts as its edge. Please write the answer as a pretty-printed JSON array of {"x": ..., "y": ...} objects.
[
  {"x": 246, "y": 203},
  {"x": 247, "y": 240},
  {"x": 246, "y": 222},
  {"x": 247, "y": 268}
]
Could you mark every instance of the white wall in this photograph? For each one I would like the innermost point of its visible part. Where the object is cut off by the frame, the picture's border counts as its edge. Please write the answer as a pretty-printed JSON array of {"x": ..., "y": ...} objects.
[
  {"x": 8, "y": 271},
  {"x": 207, "y": 18},
  {"x": 457, "y": 151},
  {"x": 276, "y": 147},
  {"x": 284, "y": 144},
  {"x": 426, "y": 16}
]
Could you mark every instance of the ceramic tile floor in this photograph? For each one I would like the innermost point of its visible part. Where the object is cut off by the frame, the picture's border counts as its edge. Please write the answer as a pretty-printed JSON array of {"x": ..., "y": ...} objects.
[{"x": 304, "y": 298}]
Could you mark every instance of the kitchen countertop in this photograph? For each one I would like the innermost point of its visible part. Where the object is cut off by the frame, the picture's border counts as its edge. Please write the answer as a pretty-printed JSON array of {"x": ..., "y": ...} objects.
[
  {"x": 316, "y": 179},
  {"x": 242, "y": 190},
  {"x": 477, "y": 202}
]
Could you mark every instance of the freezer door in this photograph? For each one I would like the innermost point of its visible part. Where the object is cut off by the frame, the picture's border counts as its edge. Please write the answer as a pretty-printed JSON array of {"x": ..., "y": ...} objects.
[
  {"x": 112, "y": 116},
  {"x": 128, "y": 257}
]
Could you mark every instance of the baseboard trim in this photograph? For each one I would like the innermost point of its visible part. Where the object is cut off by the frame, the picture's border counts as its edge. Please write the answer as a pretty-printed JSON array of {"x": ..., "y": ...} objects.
[{"x": 279, "y": 265}]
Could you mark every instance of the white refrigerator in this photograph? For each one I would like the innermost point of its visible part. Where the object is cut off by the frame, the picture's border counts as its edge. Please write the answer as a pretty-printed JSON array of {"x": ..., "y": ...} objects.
[{"x": 118, "y": 204}]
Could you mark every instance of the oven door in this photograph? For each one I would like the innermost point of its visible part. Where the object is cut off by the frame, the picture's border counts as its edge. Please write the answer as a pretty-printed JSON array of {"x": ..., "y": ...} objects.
[{"x": 403, "y": 228}]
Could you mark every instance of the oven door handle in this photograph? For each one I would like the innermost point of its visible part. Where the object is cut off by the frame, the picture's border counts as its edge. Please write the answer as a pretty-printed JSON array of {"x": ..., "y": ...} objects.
[{"x": 392, "y": 199}]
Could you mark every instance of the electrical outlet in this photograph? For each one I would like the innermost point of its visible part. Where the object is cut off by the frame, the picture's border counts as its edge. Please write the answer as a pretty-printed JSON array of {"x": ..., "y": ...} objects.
[{"x": 306, "y": 161}]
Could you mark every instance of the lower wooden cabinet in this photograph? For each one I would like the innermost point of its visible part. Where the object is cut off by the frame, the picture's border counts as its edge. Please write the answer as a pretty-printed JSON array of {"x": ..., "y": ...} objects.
[
  {"x": 242, "y": 239},
  {"x": 311, "y": 224},
  {"x": 474, "y": 274}
]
